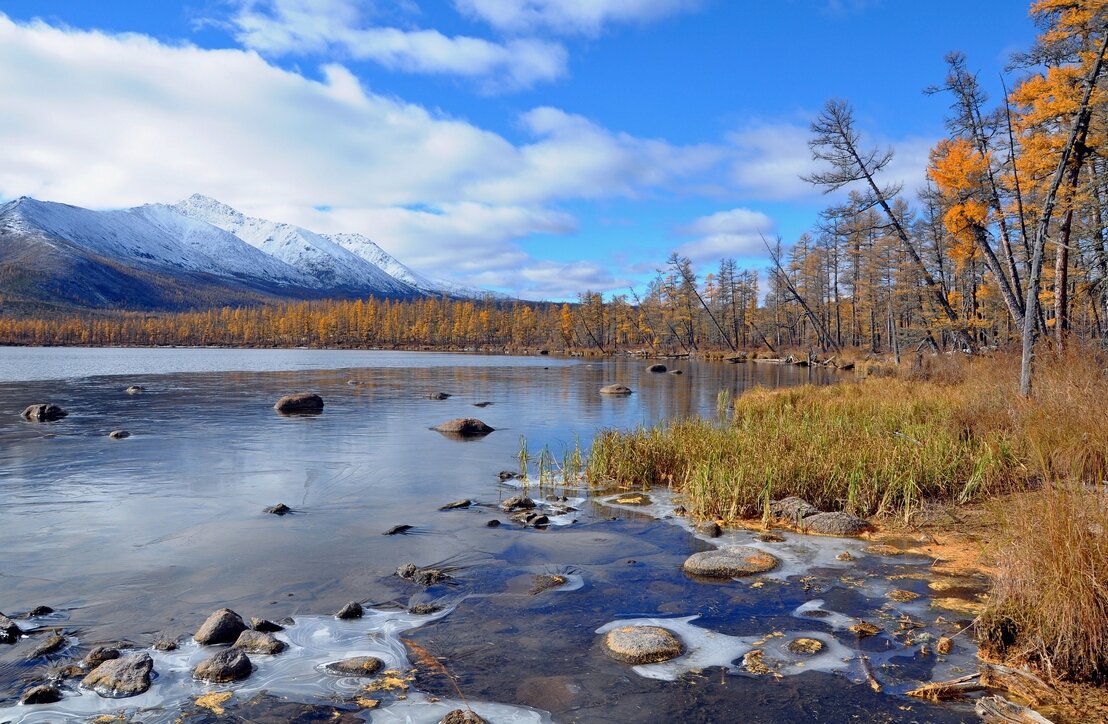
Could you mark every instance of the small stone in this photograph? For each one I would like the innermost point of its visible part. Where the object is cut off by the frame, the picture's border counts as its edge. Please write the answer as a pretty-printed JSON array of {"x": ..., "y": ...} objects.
[
  {"x": 805, "y": 645},
  {"x": 119, "y": 434},
  {"x": 709, "y": 528},
  {"x": 517, "y": 502},
  {"x": 465, "y": 426},
  {"x": 438, "y": 395},
  {"x": 258, "y": 642},
  {"x": 792, "y": 508},
  {"x": 656, "y": 368},
  {"x": 457, "y": 505},
  {"x": 424, "y": 609},
  {"x": 398, "y": 529},
  {"x": 864, "y": 629},
  {"x": 265, "y": 625},
  {"x": 42, "y": 694},
  {"x": 616, "y": 389},
  {"x": 122, "y": 677},
  {"x": 944, "y": 645},
  {"x": 43, "y": 412},
  {"x": 429, "y": 576},
  {"x": 676, "y": 372},
  {"x": 842, "y": 524},
  {"x": 299, "y": 403},
  {"x": 99, "y": 655},
  {"x": 165, "y": 643},
  {"x": 9, "y": 631},
  {"x": 463, "y": 716},
  {"x": 494, "y": 523},
  {"x": 770, "y": 538},
  {"x": 135, "y": 390},
  {"x": 901, "y": 596},
  {"x": 729, "y": 562},
  {"x": 52, "y": 644},
  {"x": 221, "y": 627},
  {"x": 224, "y": 666},
  {"x": 279, "y": 509},
  {"x": 364, "y": 666},
  {"x": 844, "y": 556},
  {"x": 38, "y": 611},
  {"x": 546, "y": 582},
  {"x": 507, "y": 475},
  {"x": 350, "y": 610},
  {"x": 642, "y": 644},
  {"x": 481, "y": 404}
]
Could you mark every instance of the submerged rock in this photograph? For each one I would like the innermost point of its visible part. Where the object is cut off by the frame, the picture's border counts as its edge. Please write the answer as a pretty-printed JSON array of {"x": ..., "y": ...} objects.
[
  {"x": 279, "y": 509},
  {"x": 792, "y": 508},
  {"x": 259, "y": 642},
  {"x": 135, "y": 390},
  {"x": 165, "y": 643},
  {"x": 41, "y": 694},
  {"x": 438, "y": 395},
  {"x": 865, "y": 629},
  {"x": 119, "y": 434},
  {"x": 676, "y": 372},
  {"x": 632, "y": 499},
  {"x": 834, "y": 524},
  {"x": 52, "y": 643},
  {"x": 224, "y": 666},
  {"x": 508, "y": 475},
  {"x": 517, "y": 502},
  {"x": 494, "y": 523},
  {"x": 615, "y": 389},
  {"x": 656, "y": 368},
  {"x": 464, "y": 426},
  {"x": 424, "y": 609},
  {"x": 642, "y": 644},
  {"x": 350, "y": 610},
  {"x": 422, "y": 576},
  {"x": 39, "y": 611},
  {"x": 805, "y": 645},
  {"x": 546, "y": 582},
  {"x": 729, "y": 562},
  {"x": 457, "y": 505},
  {"x": 357, "y": 666},
  {"x": 265, "y": 625},
  {"x": 222, "y": 627},
  {"x": 768, "y": 537},
  {"x": 99, "y": 655},
  {"x": 531, "y": 518},
  {"x": 43, "y": 412},
  {"x": 299, "y": 402},
  {"x": 398, "y": 529},
  {"x": 9, "y": 631},
  {"x": 463, "y": 716},
  {"x": 117, "y": 678},
  {"x": 482, "y": 404}
]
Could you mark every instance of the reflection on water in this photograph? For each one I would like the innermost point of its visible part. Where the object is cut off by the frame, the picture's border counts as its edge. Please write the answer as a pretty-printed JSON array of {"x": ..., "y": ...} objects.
[{"x": 140, "y": 538}]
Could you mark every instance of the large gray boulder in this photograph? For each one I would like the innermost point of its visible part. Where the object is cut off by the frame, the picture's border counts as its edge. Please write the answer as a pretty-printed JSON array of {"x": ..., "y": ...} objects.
[
  {"x": 117, "y": 678},
  {"x": 224, "y": 666},
  {"x": 843, "y": 524},
  {"x": 222, "y": 627},
  {"x": 642, "y": 644},
  {"x": 43, "y": 412},
  {"x": 299, "y": 403},
  {"x": 792, "y": 508},
  {"x": 729, "y": 562}
]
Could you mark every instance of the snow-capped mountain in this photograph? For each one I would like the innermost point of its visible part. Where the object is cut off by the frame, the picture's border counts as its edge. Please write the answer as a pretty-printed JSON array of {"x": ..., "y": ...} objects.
[
  {"x": 195, "y": 253},
  {"x": 332, "y": 266}
]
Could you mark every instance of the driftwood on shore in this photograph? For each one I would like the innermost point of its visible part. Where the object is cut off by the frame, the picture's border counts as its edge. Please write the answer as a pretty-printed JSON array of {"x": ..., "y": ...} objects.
[{"x": 994, "y": 677}]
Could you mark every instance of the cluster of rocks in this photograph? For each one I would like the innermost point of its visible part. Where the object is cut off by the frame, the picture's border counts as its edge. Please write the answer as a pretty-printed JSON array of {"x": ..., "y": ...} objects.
[{"x": 809, "y": 519}]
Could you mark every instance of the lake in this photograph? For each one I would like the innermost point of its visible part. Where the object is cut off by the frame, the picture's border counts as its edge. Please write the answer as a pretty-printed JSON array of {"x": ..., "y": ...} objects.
[{"x": 139, "y": 539}]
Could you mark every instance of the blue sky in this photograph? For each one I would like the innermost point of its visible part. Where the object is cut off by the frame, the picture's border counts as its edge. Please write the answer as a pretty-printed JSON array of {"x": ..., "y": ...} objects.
[{"x": 539, "y": 147}]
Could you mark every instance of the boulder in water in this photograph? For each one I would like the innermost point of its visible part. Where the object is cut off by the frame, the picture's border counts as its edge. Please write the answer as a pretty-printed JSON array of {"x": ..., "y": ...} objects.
[
  {"x": 117, "y": 678},
  {"x": 99, "y": 655},
  {"x": 43, "y": 412},
  {"x": 709, "y": 528},
  {"x": 299, "y": 403},
  {"x": 356, "y": 666},
  {"x": 350, "y": 610},
  {"x": 642, "y": 644},
  {"x": 279, "y": 509},
  {"x": 265, "y": 625},
  {"x": 258, "y": 642},
  {"x": 729, "y": 562},
  {"x": 222, "y": 627},
  {"x": 135, "y": 390},
  {"x": 41, "y": 694},
  {"x": 616, "y": 389},
  {"x": 51, "y": 644},
  {"x": 224, "y": 666},
  {"x": 464, "y": 426},
  {"x": 517, "y": 502},
  {"x": 438, "y": 395},
  {"x": 656, "y": 368},
  {"x": 9, "y": 631},
  {"x": 119, "y": 434},
  {"x": 792, "y": 508},
  {"x": 462, "y": 716},
  {"x": 398, "y": 529},
  {"x": 457, "y": 505}
]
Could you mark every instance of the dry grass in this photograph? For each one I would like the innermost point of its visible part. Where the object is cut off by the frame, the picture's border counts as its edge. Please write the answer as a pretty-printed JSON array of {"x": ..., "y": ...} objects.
[{"x": 1049, "y": 603}]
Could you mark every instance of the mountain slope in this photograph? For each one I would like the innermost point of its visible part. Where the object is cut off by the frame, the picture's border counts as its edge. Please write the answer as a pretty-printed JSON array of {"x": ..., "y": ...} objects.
[{"x": 330, "y": 265}]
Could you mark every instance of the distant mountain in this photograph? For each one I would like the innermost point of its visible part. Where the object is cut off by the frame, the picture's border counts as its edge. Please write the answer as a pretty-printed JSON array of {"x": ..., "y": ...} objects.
[{"x": 196, "y": 253}]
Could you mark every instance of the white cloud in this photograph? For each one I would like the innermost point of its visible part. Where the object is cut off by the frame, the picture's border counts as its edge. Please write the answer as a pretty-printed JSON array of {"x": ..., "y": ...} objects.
[
  {"x": 731, "y": 233},
  {"x": 306, "y": 27},
  {"x": 106, "y": 120},
  {"x": 552, "y": 280},
  {"x": 586, "y": 17}
]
